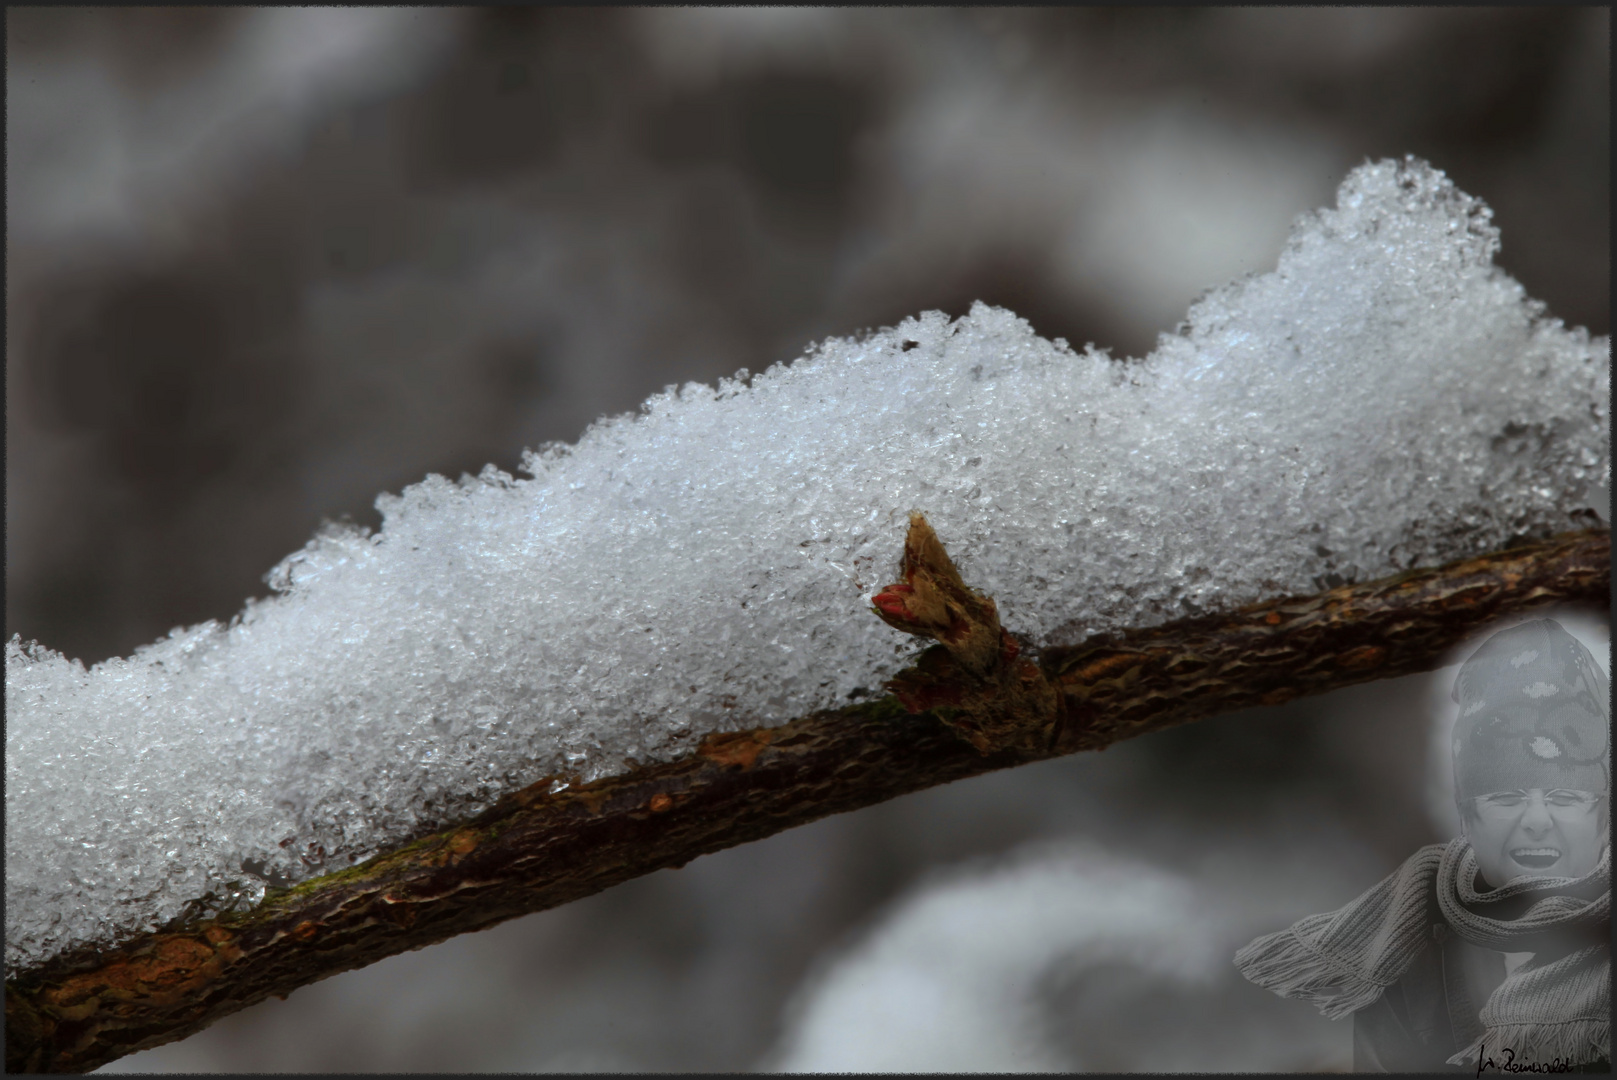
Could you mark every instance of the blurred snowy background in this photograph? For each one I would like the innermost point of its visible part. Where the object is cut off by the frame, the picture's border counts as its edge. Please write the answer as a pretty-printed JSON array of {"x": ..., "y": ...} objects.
[{"x": 264, "y": 264}]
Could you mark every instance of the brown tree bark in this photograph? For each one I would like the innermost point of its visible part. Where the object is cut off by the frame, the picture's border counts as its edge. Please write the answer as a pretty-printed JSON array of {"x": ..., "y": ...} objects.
[{"x": 974, "y": 703}]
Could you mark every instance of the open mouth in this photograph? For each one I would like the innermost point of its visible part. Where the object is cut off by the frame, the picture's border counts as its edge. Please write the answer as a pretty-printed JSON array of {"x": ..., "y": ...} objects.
[{"x": 1536, "y": 858}]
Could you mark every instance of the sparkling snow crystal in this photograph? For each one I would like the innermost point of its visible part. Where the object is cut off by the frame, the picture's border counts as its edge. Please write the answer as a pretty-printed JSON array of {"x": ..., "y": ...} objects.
[{"x": 1385, "y": 398}]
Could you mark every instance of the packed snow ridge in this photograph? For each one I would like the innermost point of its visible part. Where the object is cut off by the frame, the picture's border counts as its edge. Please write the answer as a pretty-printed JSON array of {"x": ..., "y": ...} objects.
[{"x": 1385, "y": 398}]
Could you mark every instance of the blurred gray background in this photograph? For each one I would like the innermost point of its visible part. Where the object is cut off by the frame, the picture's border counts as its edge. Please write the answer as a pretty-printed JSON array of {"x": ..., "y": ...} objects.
[{"x": 264, "y": 264}]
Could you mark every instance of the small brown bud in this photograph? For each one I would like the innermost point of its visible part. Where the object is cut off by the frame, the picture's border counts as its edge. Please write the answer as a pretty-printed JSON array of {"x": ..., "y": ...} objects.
[{"x": 975, "y": 680}]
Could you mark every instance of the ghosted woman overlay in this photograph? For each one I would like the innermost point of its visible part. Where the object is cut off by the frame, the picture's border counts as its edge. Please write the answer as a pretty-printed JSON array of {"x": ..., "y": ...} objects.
[{"x": 1494, "y": 947}]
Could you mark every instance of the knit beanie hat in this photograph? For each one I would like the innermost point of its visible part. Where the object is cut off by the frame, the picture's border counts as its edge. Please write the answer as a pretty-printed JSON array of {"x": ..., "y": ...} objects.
[{"x": 1534, "y": 713}]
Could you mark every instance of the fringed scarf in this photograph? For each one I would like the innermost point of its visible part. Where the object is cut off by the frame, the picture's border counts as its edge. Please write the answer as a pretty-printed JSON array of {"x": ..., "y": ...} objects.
[{"x": 1557, "y": 1006}]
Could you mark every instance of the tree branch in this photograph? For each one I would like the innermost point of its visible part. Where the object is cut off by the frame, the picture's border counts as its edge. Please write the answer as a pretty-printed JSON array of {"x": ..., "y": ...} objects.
[{"x": 965, "y": 708}]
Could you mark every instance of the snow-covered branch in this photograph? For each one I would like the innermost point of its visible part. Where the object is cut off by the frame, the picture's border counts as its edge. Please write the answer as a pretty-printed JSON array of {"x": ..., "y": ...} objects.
[
  {"x": 1385, "y": 399},
  {"x": 560, "y": 840}
]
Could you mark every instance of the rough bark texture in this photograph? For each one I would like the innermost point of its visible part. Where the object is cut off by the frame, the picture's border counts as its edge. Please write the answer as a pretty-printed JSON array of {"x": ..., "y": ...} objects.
[{"x": 538, "y": 849}]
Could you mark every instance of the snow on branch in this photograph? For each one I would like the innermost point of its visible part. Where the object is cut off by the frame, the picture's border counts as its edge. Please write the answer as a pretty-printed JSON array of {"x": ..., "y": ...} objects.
[
  {"x": 553, "y": 843},
  {"x": 1385, "y": 399}
]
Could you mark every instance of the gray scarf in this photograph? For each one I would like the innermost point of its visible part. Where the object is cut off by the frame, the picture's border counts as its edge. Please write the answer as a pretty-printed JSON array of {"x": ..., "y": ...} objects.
[{"x": 1557, "y": 1006}]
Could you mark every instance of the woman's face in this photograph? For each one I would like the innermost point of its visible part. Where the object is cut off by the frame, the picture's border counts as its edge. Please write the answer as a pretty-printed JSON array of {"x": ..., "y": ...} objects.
[{"x": 1536, "y": 833}]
